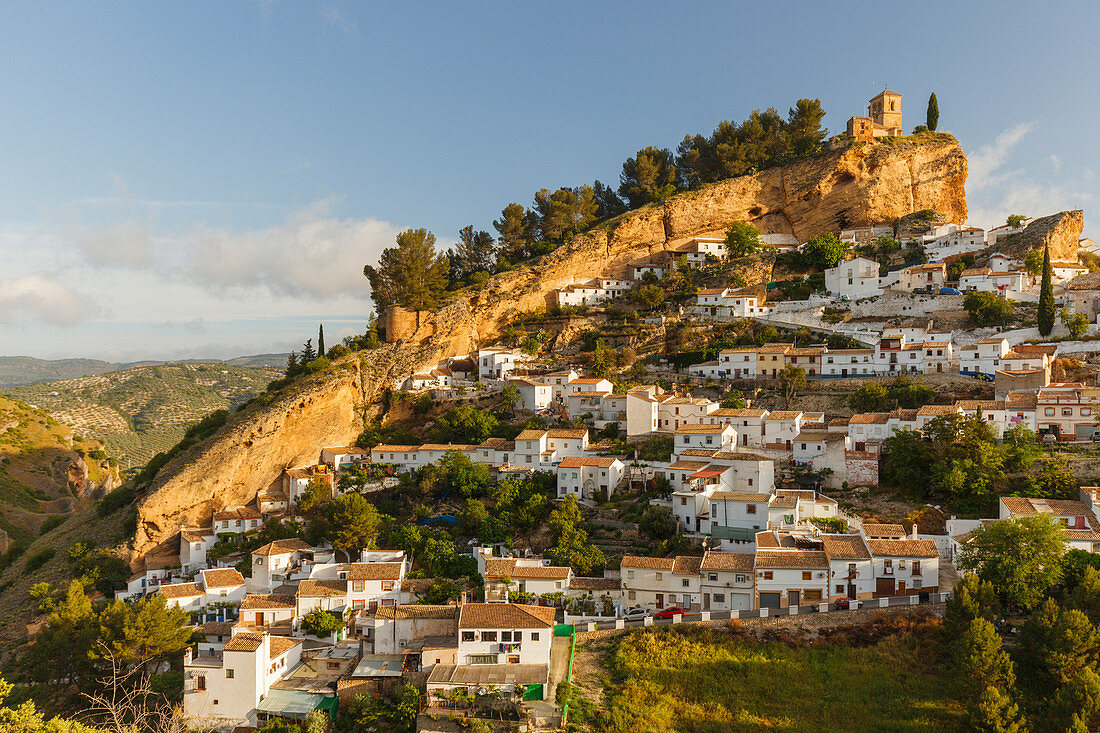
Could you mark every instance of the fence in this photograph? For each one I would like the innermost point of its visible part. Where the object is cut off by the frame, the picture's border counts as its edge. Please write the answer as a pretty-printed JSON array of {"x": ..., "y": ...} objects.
[{"x": 708, "y": 616}]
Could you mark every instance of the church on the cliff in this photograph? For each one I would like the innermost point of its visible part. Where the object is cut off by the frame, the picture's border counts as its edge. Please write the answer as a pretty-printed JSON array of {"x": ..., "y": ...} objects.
[{"x": 883, "y": 118}]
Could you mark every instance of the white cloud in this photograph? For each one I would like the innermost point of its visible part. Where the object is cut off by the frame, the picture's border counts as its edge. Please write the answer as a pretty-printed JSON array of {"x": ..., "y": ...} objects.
[
  {"x": 311, "y": 253},
  {"x": 40, "y": 297},
  {"x": 1055, "y": 163},
  {"x": 124, "y": 244},
  {"x": 337, "y": 19},
  {"x": 990, "y": 158}
]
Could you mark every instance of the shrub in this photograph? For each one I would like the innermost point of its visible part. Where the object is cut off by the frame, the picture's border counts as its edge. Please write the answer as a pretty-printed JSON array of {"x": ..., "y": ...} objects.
[
  {"x": 321, "y": 623},
  {"x": 51, "y": 523},
  {"x": 38, "y": 559},
  {"x": 117, "y": 499}
]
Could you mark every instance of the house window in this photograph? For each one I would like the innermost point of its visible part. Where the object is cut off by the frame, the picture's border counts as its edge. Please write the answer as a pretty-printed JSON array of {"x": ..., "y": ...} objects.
[
  {"x": 768, "y": 575},
  {"x": 839, "y": 588},
  {"x": 229, "y": 674},
  {"x": 750, "y": 508},
  {"x": 357, "y": 586},
  {"x": 660, "y": 577},
  {"x": 888, "y": 566},
  {"x": 506, "y": 636},
  {"x": 686, "y": 583},
  {"x": 333, "y": 665},
  {"x": 387, "y": 585},
  {"x": 631, "y": 595},
  {"x": 739, "y": 578},
  {"x": 534, "y": 636},
  {"x": 916, "y": 567},
  {"x": 200, "y": 682},
  {"x": 630, "y": 574},
  {"x": 483, "y": 659},
  {"x": 467, "y": 636},
  {"x": 488, "y": 636},
  {"x": 1067, "y": 412},
  {"x": 712, "y": 577},
  {"x": 513, "y": 659},
  {"x": 806, "y": 575},
  {"x": 1049, "y": 412},
  {"x": 357, "y": 604}
]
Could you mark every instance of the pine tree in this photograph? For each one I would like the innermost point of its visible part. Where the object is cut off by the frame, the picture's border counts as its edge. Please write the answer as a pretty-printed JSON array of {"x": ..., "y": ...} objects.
[
  {"x": 933, "y": 117},
  {"x": 308, "y": 354},
  {"x": 1046, "y": 297},
  {"x": 995, "y": 712},
  {"x": 321, "y": 340},
  {"x": 291, "y": 363}
]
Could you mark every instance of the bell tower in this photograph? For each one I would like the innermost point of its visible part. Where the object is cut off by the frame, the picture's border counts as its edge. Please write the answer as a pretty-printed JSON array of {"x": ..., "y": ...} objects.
[{"x": 885, "y": 110}]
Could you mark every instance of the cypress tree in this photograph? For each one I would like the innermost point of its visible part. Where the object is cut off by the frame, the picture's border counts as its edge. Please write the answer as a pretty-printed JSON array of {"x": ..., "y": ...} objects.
[
  {"x": 321, "y": 340},
  {"x": 1046, "y": 297},
  {"x": 932, "y": 120}
]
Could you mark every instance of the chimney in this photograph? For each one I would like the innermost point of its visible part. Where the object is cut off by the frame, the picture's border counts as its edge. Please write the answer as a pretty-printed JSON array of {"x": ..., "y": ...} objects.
[{"x": 914, "y": 530}]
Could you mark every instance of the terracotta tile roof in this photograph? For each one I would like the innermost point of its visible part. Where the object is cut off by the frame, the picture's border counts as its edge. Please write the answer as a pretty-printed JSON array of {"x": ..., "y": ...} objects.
[
  {"x": 279, "y": 645},
  {"x": 766, "y": 538},
  {"x": 531, "y": 434},
  {"x": 282, "y": 547},
  {"x": 196, "y": 535},
  {"x": 870, "y": 418},
  {"x": 586, "y": 380},
  {"x": 725, "y": 455},
  {"x": 222, "y": 578},
  {"x": 795, "y": 559},
  {"x": 737, "y": 561},
  {"x": 272, "y": 600},
  {"x": 699, "y": 452},
  {"x": 648, "y": 563},
  {"x": 216, "y": 628},
  {"x": 845, "y": 547},
  {"x": 741, "y": 412},
  {"x": 701, "y": 429},
  {"x": 244, "y": 642},
  {"x": 386, "y": 448},
  {"x": 505, "y": 616},
  {"x": 442, "y": 612},
  {"x": 373, "y": 570},
  {"x": 322, "y": 588},
  {"x": 1021, "y": 400},
  {"x": 904, "y": 548},
  {"x": 687, "y": 466},
  {"x": 499, "y": 567},
  {"x": 884, "y": 530},
  {"x": 549, "y": 572},
  {"x": 594, "y": 584},
  {"x": 687, "y": 565},
  {"x": 937, "y": 410},
  {"x": 182, "y": 590},
  {"x": 240, "y": 512},
  {"x": 785, "y": 415},
  {"x": 738, "y": 496},
  {"x": 582, "y": 462}
]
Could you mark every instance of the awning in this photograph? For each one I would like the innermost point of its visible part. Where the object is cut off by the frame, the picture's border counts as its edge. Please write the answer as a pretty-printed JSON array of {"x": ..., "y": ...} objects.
[
  {"x": 708, "y": 473},
  {"x": 291, "y": 703}
]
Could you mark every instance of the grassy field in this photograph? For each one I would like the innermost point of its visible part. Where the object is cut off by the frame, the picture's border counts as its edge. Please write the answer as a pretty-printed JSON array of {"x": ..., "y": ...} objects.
[
  {"x": 702, "y": 681},
  {"x": 140, "y": 411}
]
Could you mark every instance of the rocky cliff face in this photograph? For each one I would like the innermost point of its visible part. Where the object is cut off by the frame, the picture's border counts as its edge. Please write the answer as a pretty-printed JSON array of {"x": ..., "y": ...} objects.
[
  {"x": 1061, "y": 232},
  {"x": 864, "y": 184}
]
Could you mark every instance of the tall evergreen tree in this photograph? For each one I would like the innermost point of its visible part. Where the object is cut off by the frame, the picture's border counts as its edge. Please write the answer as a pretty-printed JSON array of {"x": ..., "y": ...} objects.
[
  {"x": 932, "y": 119},
  {"x": 648, "y": 176},
  {"x": 308, "y": 354},
  {"x": 516, "y": 227},
  {"x": 1046, "y": 297},
  {"x": 321, "y": 340},
  {"x": 412, "y": 274},
  {"x": 475, "y": 252}
]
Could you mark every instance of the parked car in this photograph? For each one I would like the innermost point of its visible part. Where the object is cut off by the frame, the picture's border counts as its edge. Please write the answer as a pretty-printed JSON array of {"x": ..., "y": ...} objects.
[
  {"x": 670, "y": 612},
  {"x": 1048, "y": 438},
  {"x": 921, "y": 291},
  {"x": 1096, "y": 436},
  {"x": 842, "y": 604},
  {"x": 981, "y": 376},
  {"x": 950, "y": 291},
  {"x": 634, "y": 614}
]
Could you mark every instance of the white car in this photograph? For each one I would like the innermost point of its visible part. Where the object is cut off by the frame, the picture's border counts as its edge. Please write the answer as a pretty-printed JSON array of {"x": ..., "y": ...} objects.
[{"x": 635, "y": 614}]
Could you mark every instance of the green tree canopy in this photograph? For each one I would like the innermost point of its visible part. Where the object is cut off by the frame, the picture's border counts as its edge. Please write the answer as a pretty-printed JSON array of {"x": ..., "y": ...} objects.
[
  {"x": 648, "y": 176},
  {"x": 981, "y": 659},
  {"x": 475, "y": 252},
  {"x": 824, "y": 250},
  {"x": 932, "y": 118},
  {"x": 742, "y": 240},
  {"x": 1021, "y": 557},
  {"x": 1045, "y": 313},
  {"x": 562, "y": 213},
  {"x": 516, "y": 227},
  {"x": 412, "y": 274},
  {"x": 353, "y": 521},
  {"x": 987, "y": 309}
]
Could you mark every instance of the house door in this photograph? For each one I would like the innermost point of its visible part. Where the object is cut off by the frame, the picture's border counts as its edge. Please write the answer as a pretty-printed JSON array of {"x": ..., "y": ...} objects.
[
  {"x": 852, "y": 591},
  {"x": 706, "y": 601},
  {"x": 901, "y": 587},
  {"x": 660, "y": 600},
  {"x": 769, "y": 599},
  {"x": 884, "y": 587},
  {"x": 792, "y": 597},
  {"x": 373, "y": 606},
  {"x": 939, "y": 367},
  {"x": 843, "y": 372},
  {"x": 259, "y": 618}
]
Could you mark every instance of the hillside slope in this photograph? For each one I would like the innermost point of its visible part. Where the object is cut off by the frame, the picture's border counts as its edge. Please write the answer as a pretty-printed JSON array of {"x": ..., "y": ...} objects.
[
  {"x": 20, "y": 370},
  {"x": 43, "y": 471},
  {"x": 861, "y": 185},
  {"x": 141, "y": 411}
]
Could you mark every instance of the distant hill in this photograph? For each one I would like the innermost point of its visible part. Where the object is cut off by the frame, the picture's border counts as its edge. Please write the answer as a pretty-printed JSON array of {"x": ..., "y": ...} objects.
[
  {"x": 140, "y": 411},
  {"x": 17, "y": 371},
  {"x": 44, "y": 471}
]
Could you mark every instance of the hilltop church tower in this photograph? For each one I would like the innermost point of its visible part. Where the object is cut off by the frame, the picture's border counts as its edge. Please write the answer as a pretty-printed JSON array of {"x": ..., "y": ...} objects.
[
  {"x": 885, "y": 110},
  {"x": 883, "y": 118}
]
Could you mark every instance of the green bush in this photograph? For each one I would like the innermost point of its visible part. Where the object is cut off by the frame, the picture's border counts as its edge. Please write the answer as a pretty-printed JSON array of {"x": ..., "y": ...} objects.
[
  {"x": 38, "y": 559},
  {"x": 51, "y": 523},
  {"x": 115, "y": 500},
  {"x": 987, "y": 309}
]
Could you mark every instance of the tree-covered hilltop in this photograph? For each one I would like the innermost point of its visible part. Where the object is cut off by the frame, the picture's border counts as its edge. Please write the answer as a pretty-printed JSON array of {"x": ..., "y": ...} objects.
[{"x": 413, "y": 274}]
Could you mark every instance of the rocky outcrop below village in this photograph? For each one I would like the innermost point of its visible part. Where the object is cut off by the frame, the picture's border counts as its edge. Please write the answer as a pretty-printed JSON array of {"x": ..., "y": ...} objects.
[
  {"x": 860, "y": 185},
  {"x": 1061, "y": 232}
]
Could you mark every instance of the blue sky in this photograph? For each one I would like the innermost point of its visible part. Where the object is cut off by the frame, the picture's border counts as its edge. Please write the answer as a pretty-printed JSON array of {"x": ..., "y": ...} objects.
[{"x": 208, "y": 178}]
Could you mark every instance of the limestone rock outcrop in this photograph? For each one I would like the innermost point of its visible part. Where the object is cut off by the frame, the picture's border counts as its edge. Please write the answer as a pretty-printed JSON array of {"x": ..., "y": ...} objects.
[
  {"x": 1061, "y": 231},
  {"x": 861, "y": 185}
]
